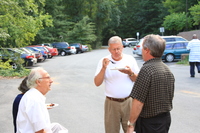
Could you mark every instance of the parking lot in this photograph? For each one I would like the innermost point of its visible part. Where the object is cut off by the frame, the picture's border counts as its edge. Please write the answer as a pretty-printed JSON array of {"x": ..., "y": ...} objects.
[{"x": 81, "y": 103}]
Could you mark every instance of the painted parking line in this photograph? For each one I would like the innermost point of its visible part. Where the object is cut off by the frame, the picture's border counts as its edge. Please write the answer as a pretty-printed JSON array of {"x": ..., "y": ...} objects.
[
  {"x": 191, "y": 93},
  {"x": 56, "y": 83}
]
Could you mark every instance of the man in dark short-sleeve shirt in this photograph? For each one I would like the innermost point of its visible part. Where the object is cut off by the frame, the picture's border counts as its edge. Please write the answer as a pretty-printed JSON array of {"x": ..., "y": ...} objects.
[{"x": 153, "y": 91}]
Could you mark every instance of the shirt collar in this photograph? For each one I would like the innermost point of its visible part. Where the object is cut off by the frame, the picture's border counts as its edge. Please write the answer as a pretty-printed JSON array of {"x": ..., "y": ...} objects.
[{"x": 153, "y": 60}]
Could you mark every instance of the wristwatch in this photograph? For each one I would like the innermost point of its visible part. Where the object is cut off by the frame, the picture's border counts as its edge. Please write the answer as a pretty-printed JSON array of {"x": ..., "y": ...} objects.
[
  {"x": 130, "y": 124},
  {"x": 131, "y": 75}
]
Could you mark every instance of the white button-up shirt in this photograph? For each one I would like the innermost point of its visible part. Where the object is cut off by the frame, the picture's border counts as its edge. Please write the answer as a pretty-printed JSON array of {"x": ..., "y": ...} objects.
[
  {"x": 33, "y": 114},
  {"x": 194, "y": 47}
]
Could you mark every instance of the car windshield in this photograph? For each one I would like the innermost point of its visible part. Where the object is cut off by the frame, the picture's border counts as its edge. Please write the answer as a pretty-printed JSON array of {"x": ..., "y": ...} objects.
[
  {"x": 18, "y": 50},
  {"x": 61, "y": 45},
  {"x": 169, "y": 39},
  {"x": 42, "y": 48}
]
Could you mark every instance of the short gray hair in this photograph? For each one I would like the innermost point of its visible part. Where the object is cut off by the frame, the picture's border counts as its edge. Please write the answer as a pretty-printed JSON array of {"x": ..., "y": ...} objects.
[
  {"x": 155, "y": 44},
  {"x": 34, "y": 75},
  {"x": 115, "y": 39}
]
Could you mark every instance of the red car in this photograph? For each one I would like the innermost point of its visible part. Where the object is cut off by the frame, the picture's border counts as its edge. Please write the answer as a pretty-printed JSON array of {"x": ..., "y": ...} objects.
[{"x": 53, "y": 51}]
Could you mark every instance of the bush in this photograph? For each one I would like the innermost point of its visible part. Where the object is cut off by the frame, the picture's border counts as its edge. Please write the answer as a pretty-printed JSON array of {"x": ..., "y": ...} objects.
[
  {"x": 89, "y": 47},
  {"x": 184, "y": 61},
  {"x": 6, "y": 70}
]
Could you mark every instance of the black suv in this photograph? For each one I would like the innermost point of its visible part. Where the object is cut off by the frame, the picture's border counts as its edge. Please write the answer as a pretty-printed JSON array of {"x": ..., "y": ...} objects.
[
  {"x": 63, "y": 48},
  {"x": 78, "y": 47}
]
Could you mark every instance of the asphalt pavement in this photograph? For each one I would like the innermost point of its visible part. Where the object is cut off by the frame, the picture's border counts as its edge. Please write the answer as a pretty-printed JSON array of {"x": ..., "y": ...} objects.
[{"x": 81, "y": 103}]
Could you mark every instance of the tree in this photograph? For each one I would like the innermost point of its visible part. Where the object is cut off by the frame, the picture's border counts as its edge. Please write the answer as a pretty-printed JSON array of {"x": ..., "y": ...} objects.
[
  {"x": 82, "y": 32},
  {"x": 176, "y": 22},
  {"x": 195, "y": 12},
  {"x": 20, "y": 24},
  {"x": 145, "y": 17},
  {"x": 178, "y": 6}
]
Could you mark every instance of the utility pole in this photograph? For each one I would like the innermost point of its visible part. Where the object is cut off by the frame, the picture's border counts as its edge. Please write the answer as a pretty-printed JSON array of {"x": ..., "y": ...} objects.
[{"x": 186, "y": 9}]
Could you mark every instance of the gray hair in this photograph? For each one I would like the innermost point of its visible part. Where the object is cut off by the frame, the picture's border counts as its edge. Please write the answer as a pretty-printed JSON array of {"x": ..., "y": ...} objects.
[
  {"x": 155, "y": 44},
  {"x": 34, "y": 75},
  {"x": 23, "y": 86},
  {"x": 115, "y": 39},
  {"x": 194, "y": 36}
]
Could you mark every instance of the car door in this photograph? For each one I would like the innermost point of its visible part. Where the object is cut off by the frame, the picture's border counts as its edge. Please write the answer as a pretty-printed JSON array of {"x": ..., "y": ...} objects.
[{"x": 179, "y": 48}]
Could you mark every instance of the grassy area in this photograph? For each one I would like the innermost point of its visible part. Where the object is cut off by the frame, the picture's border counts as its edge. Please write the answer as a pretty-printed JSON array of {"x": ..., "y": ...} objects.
[{"x": 184, "y": 61}]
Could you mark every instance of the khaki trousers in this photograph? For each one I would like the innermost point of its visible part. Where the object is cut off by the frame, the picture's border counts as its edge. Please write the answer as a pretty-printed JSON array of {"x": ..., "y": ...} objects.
[{"x": 116, "y": 113}]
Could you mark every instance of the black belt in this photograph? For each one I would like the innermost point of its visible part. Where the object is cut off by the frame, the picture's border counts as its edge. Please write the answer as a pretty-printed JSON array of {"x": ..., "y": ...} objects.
[{"x": 117, "y": 99}]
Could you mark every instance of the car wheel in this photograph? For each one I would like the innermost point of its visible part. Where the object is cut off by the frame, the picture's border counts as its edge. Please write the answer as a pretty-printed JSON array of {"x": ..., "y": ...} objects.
[
  {"x": 169, "y": 57},
  {"x": 129, "y": 45},
  {"x": 63, "y": 53},
  {"x": 14, "y": 65}
]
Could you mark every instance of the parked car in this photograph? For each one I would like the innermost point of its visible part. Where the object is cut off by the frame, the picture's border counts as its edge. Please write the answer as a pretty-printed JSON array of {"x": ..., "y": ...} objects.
[
  {"x": 38, "y": 54},
  {"x": 44, "y": 55},
  {"x": 85, "y": 48},
  {"x": 28, "y": 57},
  {"x": 78, "y": 46},
  {"x": 174, "y": 50},
  {"x": 63, "y": 48},
  {"x": 173, "y": 38},
  {"x": 138, "y": 48},
  {"x": 128, "y": 42},
  {"x": 73, "y": 50},
  {"x": 53, "y": 51},
  {"x": 14, "y": 53},
  {"x": 45, "y": 52}
]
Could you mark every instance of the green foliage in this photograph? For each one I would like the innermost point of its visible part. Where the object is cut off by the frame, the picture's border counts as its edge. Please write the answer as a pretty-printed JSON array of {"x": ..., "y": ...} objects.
[
  {"x": 195, "y": 12},
  {"x": 178, "y": 6},
  {"x": 174, "y": 6},
  {"x": 21, "y": 22},
  {"x": 185, "y": 61},
  {"x": 5, "y": 65},
  {"x": 89, "y": 47},
  {"x": 39, "y": 21},
  {"x": 82, "y": 32},
  {"x": 14, "y": 72},
  {"x": 176, "y": 21},
  {"x": 6, "y": 70}
]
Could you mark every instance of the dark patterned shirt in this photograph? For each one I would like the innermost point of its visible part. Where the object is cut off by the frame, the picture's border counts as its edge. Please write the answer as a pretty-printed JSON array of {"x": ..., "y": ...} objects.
[{"x": 154, "y": 87}]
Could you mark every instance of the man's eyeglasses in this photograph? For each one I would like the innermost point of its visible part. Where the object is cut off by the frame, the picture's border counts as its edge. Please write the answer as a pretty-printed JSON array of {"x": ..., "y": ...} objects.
[
  {"x": 45, "y": 78},
  {"x": 116, "y": 49}
]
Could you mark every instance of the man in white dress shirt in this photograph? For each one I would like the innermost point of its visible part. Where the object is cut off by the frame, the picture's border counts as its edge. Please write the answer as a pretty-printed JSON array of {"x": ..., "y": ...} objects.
[
  {"x": 33, "y": 116},
  {"x": 194, "y": 56}
]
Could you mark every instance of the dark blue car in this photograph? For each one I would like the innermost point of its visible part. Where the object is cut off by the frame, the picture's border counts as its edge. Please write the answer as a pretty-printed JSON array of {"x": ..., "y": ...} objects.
[{"x": 174, "y": 50}]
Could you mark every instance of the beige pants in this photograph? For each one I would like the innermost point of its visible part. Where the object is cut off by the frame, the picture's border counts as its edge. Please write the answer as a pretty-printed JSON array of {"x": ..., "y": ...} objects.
[{"x": 116, "y": 113}]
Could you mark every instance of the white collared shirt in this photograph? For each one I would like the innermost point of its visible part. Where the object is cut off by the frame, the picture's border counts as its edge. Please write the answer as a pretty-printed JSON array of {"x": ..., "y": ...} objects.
[
  {"x": 33, "y": 114},
  {"x": 194, "y": 47},
  {"x": 118, "y": 84}
]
